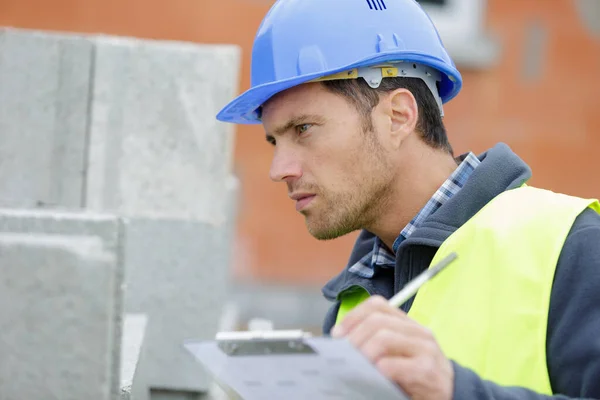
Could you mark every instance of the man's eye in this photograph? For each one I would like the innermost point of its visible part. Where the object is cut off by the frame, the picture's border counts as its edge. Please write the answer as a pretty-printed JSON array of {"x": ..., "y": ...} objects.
[{"x": 303, "y": 128}]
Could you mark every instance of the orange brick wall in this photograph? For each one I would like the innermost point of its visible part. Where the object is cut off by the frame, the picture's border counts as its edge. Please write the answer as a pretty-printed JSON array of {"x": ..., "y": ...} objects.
[{"x": 552, "y": 121}]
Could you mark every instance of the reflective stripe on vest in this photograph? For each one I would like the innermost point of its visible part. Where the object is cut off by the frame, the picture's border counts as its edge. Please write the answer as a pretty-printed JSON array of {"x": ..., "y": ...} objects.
[{"x": 489, "y": 309}]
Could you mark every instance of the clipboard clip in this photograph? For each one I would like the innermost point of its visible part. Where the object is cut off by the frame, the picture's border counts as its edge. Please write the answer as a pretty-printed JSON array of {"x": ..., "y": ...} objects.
[{"x": 262, "y": 343}]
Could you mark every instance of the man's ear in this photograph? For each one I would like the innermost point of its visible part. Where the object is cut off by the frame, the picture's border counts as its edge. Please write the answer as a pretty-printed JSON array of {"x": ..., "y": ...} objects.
[{"x": 403, "y": 112}]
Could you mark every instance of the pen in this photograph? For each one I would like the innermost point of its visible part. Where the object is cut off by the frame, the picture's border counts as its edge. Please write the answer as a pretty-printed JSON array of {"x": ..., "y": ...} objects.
[{"x": 413, "y": 286}]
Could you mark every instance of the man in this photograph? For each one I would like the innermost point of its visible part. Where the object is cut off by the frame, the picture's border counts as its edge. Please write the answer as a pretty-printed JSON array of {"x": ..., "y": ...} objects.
[{"x": 351, "y": 97}]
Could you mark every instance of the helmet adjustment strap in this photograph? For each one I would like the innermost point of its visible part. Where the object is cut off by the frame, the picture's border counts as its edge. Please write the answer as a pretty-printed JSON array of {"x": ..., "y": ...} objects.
[{"x": 374, "y": 74}]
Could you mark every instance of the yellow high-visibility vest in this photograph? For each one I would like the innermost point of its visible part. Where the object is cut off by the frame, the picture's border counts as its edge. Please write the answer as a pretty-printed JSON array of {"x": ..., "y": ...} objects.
[{"x": 489, "y": 308}]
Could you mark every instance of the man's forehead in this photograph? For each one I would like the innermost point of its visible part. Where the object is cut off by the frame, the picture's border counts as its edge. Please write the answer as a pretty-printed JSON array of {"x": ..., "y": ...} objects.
[{"x": 306, "y": 93}]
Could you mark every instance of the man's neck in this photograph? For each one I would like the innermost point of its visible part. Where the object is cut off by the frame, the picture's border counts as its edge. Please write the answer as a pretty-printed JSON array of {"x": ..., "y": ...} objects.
[{"x": 423, "y": 172}]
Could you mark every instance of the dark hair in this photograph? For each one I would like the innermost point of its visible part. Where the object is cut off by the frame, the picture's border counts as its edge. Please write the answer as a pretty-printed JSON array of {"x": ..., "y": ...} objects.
[{"x": 365, "y": 98}]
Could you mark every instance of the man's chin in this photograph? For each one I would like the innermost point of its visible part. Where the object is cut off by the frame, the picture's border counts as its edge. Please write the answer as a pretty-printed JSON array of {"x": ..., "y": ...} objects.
[{"x": 326, "y": 233}]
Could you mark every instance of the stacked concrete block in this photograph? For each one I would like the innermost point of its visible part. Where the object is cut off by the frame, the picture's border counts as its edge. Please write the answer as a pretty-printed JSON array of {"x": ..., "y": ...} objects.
[
  {"x": 127, "y": 127},
  {"x": 44, "y": 98},
  {"x": 159, "y": 158},
  {"x": 115, "y": 124},
  {"x": 177, "y": 274},
  {"x": 190, "y": 260},
  {"x": 156, "y": 149},
  {"x": 60, "y": 306}
]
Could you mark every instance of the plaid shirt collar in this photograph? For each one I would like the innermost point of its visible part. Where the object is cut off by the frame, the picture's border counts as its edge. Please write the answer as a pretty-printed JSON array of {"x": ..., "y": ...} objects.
[{"x": 380, "y": 256}]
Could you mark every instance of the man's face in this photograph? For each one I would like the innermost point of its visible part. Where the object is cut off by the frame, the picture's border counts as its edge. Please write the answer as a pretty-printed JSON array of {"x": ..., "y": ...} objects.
[{"x": 337, "y": 174}]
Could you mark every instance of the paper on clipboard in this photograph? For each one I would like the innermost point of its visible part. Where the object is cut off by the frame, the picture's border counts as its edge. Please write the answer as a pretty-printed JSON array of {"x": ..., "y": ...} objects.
[{"x": 307, "y": 368}]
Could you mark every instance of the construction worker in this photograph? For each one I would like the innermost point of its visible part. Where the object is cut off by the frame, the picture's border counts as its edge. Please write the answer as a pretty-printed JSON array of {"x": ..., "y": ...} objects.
[{"x": 351, "y": 98}]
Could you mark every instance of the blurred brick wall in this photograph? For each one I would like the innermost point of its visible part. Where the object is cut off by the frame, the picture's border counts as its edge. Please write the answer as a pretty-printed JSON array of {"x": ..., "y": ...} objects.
[{"x": 541, "y": 99}]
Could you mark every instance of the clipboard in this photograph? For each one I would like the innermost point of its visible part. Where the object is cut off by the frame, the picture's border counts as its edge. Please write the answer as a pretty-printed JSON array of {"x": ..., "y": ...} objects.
[{"x": 291, "y": 365}]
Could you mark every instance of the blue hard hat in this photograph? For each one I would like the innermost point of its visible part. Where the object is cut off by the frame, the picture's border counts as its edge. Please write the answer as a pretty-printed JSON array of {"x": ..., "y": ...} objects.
[{"x": 300, "y": 41}]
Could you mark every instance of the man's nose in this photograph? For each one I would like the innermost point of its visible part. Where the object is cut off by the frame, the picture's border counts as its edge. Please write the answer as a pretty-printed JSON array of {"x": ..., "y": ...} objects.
[{"x": 285, "y": 166}]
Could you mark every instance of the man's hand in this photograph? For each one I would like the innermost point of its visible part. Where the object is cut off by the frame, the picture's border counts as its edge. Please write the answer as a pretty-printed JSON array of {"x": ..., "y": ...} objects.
[{"x": 401, "y": 349}]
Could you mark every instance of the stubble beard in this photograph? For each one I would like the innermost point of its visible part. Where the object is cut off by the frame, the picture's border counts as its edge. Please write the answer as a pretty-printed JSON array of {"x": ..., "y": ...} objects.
[{"x": 358, "y": 208}]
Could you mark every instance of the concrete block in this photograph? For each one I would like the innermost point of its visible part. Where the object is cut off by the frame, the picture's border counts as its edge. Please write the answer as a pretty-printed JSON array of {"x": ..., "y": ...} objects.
[
  {"x": 127, "y": 126},
  {"x": 177, "y": 274},
  {"x": 44, "y": 93},
  {"x": 156, "y": 149},
  {"x": 66, "y": 223},
  {"x": 57, "y": 325},
  {"x": 71, "y": 224},
  {"x": 115, "y": 124}
]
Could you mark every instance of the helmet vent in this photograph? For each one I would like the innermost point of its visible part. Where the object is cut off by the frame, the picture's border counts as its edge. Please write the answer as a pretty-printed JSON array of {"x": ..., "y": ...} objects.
[{"x": 376, "y": 4}]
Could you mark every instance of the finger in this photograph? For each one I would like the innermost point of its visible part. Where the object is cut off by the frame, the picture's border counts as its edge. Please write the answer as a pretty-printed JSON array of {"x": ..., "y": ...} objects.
[
  {"x": 357, "y": 315},
  {"x": 389, "y": 343},
  {"x": 379, "y": 321},
  {"x": 420, "y": 377},
  {"x": 402, "y": 371}
]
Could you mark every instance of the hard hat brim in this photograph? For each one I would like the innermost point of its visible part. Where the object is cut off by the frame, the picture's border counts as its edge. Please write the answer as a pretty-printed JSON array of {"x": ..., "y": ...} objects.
[{"x": 244, "y": 108}]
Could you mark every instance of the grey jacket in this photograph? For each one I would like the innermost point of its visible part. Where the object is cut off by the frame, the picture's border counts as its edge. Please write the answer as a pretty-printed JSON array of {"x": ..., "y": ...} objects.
[{"x": 573, "y": 339}]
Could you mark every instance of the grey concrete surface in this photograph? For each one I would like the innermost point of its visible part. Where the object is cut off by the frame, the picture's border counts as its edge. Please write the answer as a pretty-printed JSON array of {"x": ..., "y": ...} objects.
[
  {"x": 57, "y": 317},
  {"x": 73, "y": 225},
  {"x": 126, "y": 127},
  {"x": 115, "y": 124},
  {"x": 177, "y": 273},
  {"x": 44, "y": 92},
  {"x": 156, "y": 149},
  {"x": 134, "y": 330}
]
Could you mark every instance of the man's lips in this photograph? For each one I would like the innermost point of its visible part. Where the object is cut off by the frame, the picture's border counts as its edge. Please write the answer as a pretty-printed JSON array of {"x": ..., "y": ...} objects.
[{"x": 302, "y": 199}]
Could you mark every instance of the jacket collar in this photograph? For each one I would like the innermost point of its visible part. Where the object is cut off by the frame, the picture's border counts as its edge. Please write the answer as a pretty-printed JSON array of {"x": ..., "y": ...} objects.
[{"x": 500, "y": 170}]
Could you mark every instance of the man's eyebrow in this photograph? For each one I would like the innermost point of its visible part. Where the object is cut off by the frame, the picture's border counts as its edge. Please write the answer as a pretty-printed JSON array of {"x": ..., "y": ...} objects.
[{"x": 294, "y": 121}]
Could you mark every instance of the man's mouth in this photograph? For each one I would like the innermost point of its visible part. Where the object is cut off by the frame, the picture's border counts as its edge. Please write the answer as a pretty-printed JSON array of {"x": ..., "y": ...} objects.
[{"x": 302, "y": 200}]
